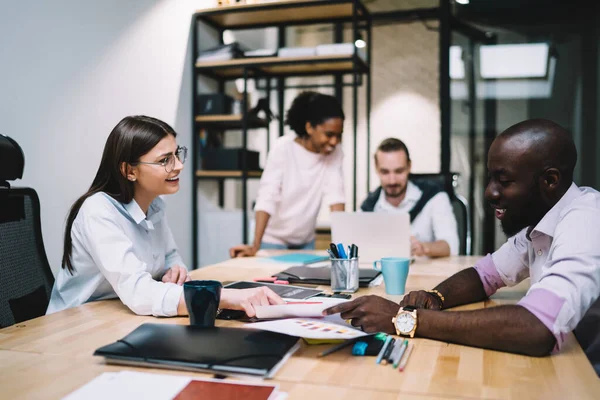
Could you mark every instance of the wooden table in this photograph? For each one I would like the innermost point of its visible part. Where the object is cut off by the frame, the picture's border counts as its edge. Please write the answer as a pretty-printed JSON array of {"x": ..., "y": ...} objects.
[{"x": 51, "y": 356}]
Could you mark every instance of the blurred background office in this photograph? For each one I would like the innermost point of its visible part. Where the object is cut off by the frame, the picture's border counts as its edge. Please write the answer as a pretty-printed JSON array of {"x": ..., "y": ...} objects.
[{"x": 447, "y": 77}]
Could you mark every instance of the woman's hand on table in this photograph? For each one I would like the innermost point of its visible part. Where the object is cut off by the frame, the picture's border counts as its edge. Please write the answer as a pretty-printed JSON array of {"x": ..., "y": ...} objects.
[
  {"x": 176, "y": 274},
  {"x": 247, "y": 299}
]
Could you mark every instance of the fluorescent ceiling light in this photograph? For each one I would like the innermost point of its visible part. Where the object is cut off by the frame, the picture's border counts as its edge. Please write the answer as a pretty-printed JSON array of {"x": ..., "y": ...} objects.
[
  {"x": 462, "y": 1},
  {"x": 510, "y": 61}
]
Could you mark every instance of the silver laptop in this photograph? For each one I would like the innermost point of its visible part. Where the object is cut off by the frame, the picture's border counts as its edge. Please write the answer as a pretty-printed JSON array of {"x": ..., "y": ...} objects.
[{"x": 377, "y": 235}]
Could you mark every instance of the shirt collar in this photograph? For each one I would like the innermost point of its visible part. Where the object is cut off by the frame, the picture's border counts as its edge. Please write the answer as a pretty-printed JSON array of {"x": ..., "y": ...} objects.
[
  {"x": 413, "y": 194},
  {"x": 155, "y": 212},
  {"x": 548, "y": 223}
]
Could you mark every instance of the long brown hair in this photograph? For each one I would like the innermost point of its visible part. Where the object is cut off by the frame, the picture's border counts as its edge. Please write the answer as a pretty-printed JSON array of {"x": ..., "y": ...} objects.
[{"x": 133, "y": 137}]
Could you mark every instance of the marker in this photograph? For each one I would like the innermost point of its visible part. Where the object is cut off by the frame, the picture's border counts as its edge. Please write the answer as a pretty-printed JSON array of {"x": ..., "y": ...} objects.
[
  {"x": 334, "y": 250},
  {"x": 388, "y": 352},
  {"x": 400, "y": 353},
  {"x": 405, "y": 359},
  {"x": 388, "y": 340},
  {"x": 341, "y": 251}
]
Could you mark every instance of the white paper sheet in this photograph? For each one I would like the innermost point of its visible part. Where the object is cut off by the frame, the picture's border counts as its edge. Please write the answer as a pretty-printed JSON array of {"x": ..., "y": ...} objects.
[
  {"x": 128, "y": 385},
  {"x": 308, "y": 308},
  {"x": 331, "y": 327}
]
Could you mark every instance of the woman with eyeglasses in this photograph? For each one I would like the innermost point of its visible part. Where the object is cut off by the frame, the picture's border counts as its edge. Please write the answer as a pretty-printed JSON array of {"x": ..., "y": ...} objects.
[{"x": 117, "y": 239}]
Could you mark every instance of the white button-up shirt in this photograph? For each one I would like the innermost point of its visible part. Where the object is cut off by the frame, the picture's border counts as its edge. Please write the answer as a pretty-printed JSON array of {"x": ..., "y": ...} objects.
[
  {"x": 118, "y": 251},
  {"x": 436, "y": 221},
  {"x": 561, "y": 254}
]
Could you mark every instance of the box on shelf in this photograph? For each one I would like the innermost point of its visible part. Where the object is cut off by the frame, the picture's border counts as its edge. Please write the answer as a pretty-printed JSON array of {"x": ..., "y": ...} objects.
[
  {"x": 214, "y": 104},
  {"x": 229, "y": 159}
]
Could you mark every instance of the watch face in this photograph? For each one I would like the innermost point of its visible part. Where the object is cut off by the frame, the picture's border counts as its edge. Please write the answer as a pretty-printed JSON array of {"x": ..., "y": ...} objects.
[{"x": 405, "y": 323}]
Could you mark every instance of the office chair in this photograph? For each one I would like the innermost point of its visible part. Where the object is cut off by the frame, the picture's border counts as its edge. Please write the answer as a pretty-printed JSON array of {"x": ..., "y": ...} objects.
[
  {"x": 448, "y": 182},
  {"x": 25, "y": 277}
]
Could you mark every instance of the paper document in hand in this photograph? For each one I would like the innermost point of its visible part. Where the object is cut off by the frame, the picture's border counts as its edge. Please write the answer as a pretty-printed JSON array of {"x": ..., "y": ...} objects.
[
  {"x": 311, "y": 328},
  {"x": 296, "y": 309}
]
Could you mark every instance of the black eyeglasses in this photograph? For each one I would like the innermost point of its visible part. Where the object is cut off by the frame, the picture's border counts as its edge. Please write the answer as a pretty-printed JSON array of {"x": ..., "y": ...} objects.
[{"x": 169, "y": 161}]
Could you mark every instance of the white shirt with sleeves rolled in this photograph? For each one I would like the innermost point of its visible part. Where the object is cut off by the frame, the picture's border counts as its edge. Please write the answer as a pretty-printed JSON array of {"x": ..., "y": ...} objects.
[
  {"x": 118, "y": 251},
  {"x": 293, "y": 185}
]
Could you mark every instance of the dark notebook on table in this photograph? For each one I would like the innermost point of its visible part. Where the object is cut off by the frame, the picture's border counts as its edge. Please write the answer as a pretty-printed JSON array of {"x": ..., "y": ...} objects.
[
  {"x": 322, "y": 275},
  {"x": 218, "y": 350}
]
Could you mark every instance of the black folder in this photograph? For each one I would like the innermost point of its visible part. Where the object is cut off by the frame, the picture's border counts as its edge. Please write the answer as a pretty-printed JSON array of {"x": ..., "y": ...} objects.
[
  {"x": 322, "y": 275},
  {"x": 218, "y": 350}
]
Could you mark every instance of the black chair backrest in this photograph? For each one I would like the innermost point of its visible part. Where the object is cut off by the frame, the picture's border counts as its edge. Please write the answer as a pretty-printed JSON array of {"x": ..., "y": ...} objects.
[
  {"x": 26, "y": 279},
  {"x": 448, "y": 183},
  {"x": 12, "y": 160}
]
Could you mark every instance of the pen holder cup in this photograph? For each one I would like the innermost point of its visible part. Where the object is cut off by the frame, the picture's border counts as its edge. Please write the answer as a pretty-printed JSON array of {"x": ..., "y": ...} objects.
[{"x": 344, "y": 275}]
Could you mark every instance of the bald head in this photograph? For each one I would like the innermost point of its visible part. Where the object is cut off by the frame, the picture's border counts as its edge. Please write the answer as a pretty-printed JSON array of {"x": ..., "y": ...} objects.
[
  {"x": 543, "y": 144},
  {"x": 530, "y": 166}
]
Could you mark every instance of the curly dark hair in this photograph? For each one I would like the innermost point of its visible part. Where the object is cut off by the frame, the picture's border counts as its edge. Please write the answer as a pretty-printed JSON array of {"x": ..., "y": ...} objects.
[{"x": 312, "y": 107}]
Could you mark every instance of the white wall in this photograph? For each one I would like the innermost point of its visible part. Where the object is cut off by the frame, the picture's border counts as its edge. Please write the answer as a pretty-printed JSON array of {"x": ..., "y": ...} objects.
[{"x": 70, "y": 70}]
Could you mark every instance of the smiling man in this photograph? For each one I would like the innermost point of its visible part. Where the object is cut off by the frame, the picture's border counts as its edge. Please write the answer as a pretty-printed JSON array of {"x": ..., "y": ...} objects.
[{"x": 555, "y": 240}]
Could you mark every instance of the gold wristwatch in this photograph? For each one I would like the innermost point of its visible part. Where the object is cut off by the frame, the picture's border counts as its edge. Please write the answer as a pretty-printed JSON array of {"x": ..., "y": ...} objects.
[{"x": 405, "y": 321}]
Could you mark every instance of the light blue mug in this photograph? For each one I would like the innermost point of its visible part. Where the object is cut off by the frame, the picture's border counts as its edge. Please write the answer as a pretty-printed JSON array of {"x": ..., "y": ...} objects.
[{"x": 395, "y": 272}]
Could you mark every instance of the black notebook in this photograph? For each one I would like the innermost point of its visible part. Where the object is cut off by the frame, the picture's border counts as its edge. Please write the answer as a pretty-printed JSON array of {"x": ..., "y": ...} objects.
[
  {"x": 218, "y": 350},
  {"x": 322, "y": 275}
]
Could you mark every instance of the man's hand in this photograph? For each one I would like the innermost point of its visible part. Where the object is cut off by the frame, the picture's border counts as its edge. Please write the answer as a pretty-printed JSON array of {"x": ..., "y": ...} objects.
[
  {"x": 422, "y": 299},
  {"x": 242, "y": 250},
  {"x": 418, "y": 248},
  {"x": 176, "y": 274},
  {"x": 370, "y": 313},
  {"x": 246, "y": 299}
]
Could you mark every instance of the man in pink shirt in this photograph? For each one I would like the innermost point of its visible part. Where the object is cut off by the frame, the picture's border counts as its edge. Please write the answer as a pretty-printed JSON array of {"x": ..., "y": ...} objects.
[{"x": 554, "y": 230}]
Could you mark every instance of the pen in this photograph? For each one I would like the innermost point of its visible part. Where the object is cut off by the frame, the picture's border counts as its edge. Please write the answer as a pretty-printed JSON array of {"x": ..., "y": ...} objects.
[
  {"x": 388, "y": 340},
  {"x": 354, "y": 251},
  {"x": 341, "y": 251},
  {"x": 335, "y": 348},
  {"x": 405, "y": 359},
  {"x": 331, "y": 255},
  {"x": 334, "y": 250},
  {"x": 395, "y": 351},
  {"x": 400, "y": 353},
  {"x": 386, "y": 355}
]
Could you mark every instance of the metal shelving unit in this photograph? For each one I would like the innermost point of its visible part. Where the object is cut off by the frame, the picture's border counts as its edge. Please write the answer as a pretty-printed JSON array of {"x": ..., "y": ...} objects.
[{"x": 279, "y": 14}]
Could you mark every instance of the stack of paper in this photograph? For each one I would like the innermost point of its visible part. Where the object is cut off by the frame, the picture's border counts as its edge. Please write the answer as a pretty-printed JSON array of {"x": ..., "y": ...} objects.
[
  {"x": 293, "y": 309},
  {"x": 129, "y": 385},
  {"x": 312, "y": 326},
  {"x": 297, "y": 52}
]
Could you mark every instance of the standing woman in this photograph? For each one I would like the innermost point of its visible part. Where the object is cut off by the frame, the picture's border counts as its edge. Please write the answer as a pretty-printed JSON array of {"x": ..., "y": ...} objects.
[
  {"x": 301, "y": 172},
  {"x": 117, "y": 239}
]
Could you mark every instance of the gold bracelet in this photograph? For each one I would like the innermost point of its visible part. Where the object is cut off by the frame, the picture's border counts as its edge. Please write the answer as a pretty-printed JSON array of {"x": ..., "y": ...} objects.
[{"x": 439, "y": 296}]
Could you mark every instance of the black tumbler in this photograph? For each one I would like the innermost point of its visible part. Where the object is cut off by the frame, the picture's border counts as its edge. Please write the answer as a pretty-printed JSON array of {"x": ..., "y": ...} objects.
[{"x": 202, "y": 300}]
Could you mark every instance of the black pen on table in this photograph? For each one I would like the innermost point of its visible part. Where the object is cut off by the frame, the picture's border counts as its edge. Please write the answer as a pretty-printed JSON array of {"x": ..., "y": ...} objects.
[{"x": 336, "y": 348}]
